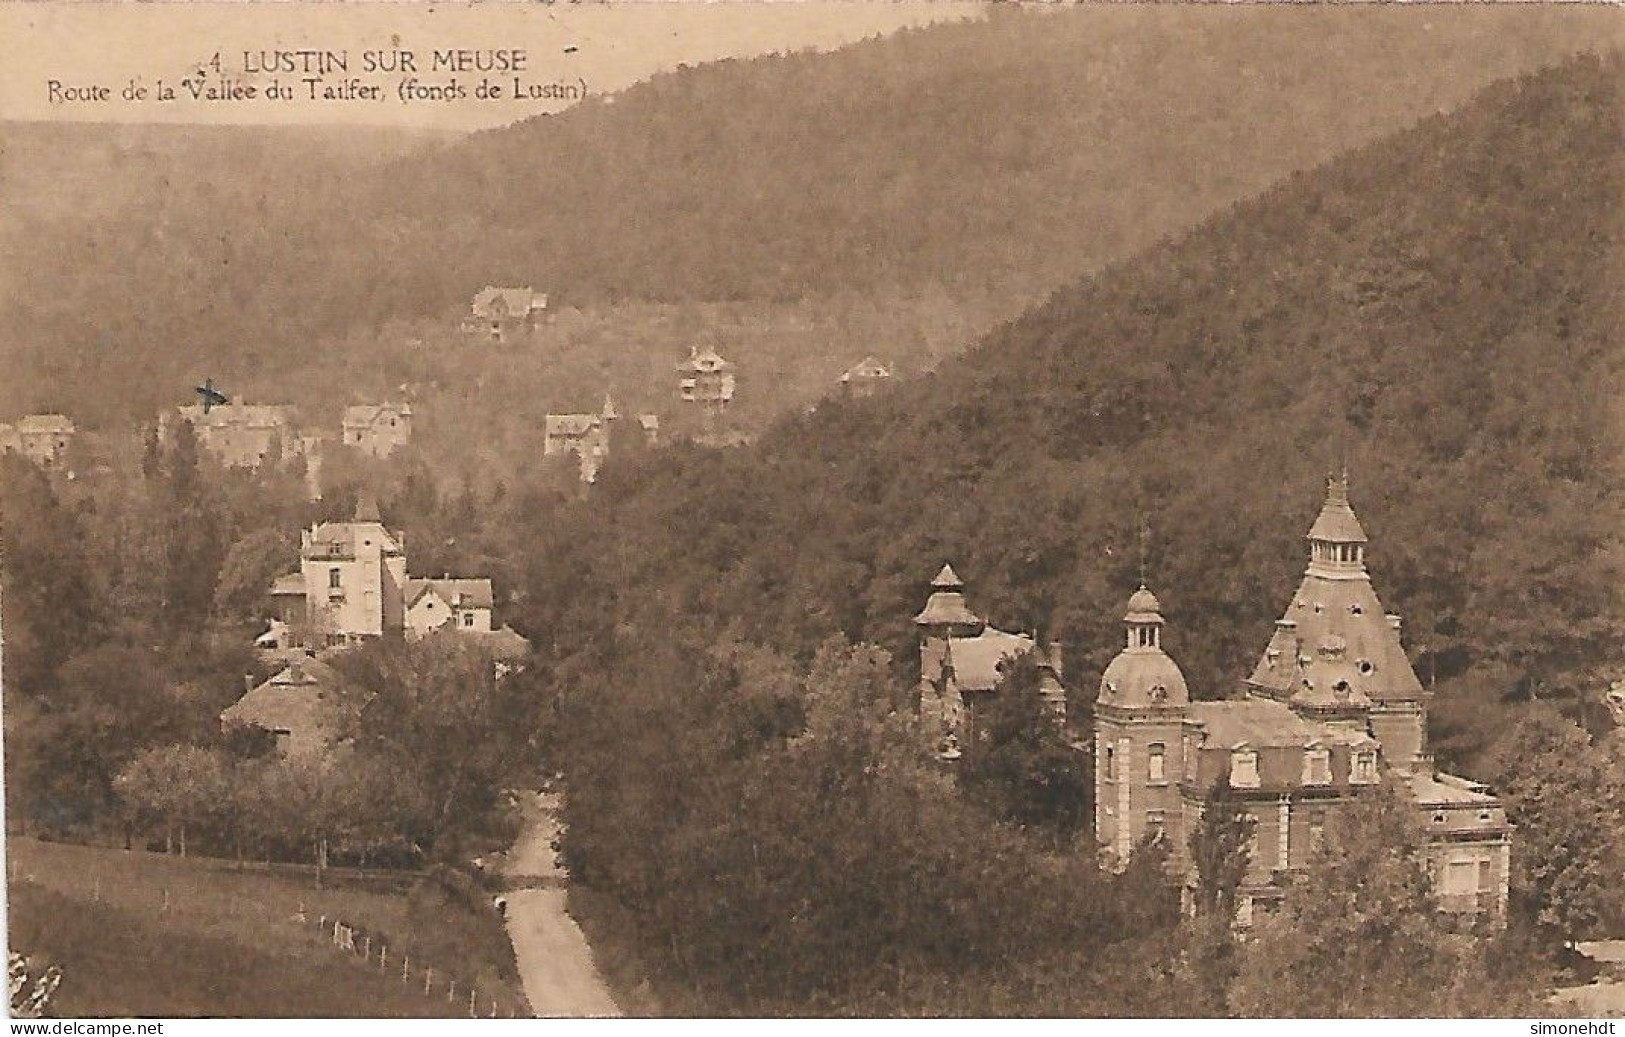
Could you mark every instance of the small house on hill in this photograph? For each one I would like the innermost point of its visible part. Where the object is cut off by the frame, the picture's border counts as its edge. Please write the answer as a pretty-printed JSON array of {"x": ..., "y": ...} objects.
[
  {"x": 378, "y": 429},
  {"x": 307, "y": 707},
  {"x": 501, "y": 314},
  {"x": 864, "y": 378}
]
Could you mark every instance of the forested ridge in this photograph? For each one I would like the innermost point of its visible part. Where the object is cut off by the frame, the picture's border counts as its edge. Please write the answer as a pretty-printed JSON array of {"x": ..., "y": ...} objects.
[
  {"x": 1009, "y": 155},
  {"x": 1437, "y": 312}
]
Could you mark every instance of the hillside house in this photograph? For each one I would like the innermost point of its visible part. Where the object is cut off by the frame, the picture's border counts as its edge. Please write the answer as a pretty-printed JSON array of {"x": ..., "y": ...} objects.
[
  {"x": 240, "y": 435},
  {"x": 352, "y": 586},
  {"x": 377, "y": 429},
  {"x": 864, "y": 378},
  {"x": 349, "y": 584},
  {"x": 1331, "y": 711},
  {"x": 306, "y": 706},
  {"x": 706, "y": 378},
  {"x": 504, "y": 314},
  {"x": 42, "y": 438},
  {"x": 432, "y": 604},
  {"x": 588, "y": 436}
]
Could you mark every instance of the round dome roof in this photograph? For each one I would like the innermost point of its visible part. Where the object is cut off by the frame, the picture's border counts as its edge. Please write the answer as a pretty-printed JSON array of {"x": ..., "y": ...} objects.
[
  {"x": 1143, "y": 600},
  {"x": 1143, "y": 677}
]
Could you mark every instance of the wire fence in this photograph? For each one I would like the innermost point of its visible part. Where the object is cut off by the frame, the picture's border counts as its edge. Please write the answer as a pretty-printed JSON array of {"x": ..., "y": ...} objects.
[{"x": 369, "y": 950}]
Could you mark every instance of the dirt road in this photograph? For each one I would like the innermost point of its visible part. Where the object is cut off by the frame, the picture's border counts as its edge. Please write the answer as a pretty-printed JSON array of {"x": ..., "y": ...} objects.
[{"x": 555, "y": 963}]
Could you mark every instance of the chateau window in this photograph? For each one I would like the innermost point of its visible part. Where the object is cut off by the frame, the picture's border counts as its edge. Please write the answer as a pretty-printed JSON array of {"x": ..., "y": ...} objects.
[
  {"x": 1486, "y": 875},
  {"x": 468, "y": 619},
  {"x": 1190, "y": 759},
  {"x": 1156, "y": 766},
  {"x": 1155, "y": 826},
  {"x": 333, "y": 577},
  {"x": 1363, "y": 770},
  {"x": 1244, "y": 769},
  {"x": 1317, "y": 766},
  {"x": 1317, "y": 835},
  {"x": 1111, "y": 764}
]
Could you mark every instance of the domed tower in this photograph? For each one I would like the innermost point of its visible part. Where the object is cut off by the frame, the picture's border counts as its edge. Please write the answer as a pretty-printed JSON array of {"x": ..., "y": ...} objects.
[{"x": 1139, "y": 735}]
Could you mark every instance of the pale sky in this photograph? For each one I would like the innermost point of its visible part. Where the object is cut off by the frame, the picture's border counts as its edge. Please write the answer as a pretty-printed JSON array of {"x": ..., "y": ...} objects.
[{"x": 87, "y": 46}]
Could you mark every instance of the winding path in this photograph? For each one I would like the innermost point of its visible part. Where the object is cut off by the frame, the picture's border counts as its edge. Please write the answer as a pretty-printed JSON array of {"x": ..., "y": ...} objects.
[{"x": 555, "y": 963}]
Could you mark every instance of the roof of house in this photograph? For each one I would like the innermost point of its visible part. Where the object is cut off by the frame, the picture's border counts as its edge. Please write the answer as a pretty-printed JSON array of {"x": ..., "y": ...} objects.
[
  {"x": 572, "y": 424},
  {"x": 514, "y": 302},
  {"x": 45, "y": 423},
  {"x": 868, "y": 367},
  {"x": 307, "y": 694},
  {"x": 946, "y": 606},
  {"x": 705, "y": 360},
  {"x": 363, "y": 414},
  {"x": 289, "y": 583},
  {"x": 975, "y": 660},
  {"x": 1255, "y": 722},
  {"x": 650, "y": 422},
  {"x": 244, "y": 415},
  {"x": 1446, "y": 789},
  {"x": 461, "y": 593},
  {"x": 504, "y": 642}
]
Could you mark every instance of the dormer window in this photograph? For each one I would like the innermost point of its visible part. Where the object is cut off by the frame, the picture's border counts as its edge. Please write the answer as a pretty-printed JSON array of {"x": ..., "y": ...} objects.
[
  {"x": 1244, "y": 768},
  {"x": 1356, "y": 610},
  {"x": 1366, "y": 667},
  {"x": 1272, "y": 656},
  {"x": 1317, "y": 766},
  {"x": 1341, "y": 690},
  {"x": 1159, "y": 693},
  {"x": 1363, "y": 767}
]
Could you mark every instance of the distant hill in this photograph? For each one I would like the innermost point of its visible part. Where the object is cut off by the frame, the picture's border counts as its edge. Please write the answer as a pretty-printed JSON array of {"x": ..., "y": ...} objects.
[
  {"x": 1441, "y": 311},
  {"x": 1006, "y": 155}
]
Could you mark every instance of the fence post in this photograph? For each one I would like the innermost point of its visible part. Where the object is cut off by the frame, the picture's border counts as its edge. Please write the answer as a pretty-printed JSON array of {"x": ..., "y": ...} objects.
[
  {"x": 383, "y": 958},
  {"x": 366, "y": 948},
  {"x": 493, "y": 1008},
  {"x": 428, "y": 981},
  {"x": 471, "y": 1003},
  {"x": 166, "y": 899},
  {"x": 406, "y": 968},
  {"x": 451, "y": 991}
]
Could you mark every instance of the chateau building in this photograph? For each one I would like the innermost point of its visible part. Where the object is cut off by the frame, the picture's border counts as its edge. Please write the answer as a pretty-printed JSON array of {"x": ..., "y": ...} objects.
[
  {"x": 377, "y": 429},
  {"x": 1332, "y": 710},
  {"x": 1332, "y": 706}
]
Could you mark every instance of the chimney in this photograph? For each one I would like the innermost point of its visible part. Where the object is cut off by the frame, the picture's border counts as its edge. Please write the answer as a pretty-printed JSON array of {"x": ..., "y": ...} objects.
[
  {"x": 1057, "y": 658},
  {"x": 1393, "y": 621},
  {"x": 248, "y": 682}
]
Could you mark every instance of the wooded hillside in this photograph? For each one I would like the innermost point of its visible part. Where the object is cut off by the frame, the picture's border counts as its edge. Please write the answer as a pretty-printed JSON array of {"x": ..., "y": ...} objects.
[{"x": 1011, "y": 154}]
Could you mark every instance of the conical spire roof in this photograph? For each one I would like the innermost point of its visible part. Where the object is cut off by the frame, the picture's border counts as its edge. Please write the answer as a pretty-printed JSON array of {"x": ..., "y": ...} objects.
[
  {"x": 947, "y": 579},
  {"x": 1337, "y": 523}
]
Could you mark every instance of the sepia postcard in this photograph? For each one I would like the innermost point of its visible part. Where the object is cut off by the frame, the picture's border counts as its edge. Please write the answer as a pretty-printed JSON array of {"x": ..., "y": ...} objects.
[{"x": 825, "y": 509}]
